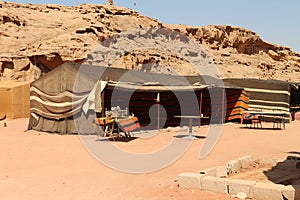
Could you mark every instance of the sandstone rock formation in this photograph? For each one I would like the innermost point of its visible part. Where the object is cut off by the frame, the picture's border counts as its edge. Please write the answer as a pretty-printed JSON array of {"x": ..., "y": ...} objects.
[
  {"x": 38, "y": 38},
  {"x": 110, "y": 2}
]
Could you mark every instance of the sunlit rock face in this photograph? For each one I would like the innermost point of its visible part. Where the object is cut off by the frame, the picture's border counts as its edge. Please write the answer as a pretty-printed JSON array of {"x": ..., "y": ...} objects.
[{"x": 35, "y": 39}]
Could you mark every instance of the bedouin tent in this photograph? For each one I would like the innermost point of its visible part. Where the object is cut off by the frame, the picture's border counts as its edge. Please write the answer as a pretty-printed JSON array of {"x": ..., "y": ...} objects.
[
  {"x": 65, "y": 99},
  {"x": 55, "y": 103},
  {"x": 267, "y": 95}
]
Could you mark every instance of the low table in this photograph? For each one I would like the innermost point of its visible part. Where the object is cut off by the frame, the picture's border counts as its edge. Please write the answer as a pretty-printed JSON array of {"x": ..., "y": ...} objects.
[
  {"x": 190, "y": 118},
  {"x": 279, "y": 116}
]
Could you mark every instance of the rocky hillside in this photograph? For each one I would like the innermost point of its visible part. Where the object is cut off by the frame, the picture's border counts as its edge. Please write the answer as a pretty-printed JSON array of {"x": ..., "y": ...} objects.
[{"x": 38, "y": 38}]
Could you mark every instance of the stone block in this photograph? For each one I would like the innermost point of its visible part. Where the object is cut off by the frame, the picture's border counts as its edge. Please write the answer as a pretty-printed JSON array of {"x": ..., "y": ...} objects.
[
  {"x": 221, "y": 172},
  {"x": 288, "y": 192},
  {"x": 236, "y": 186},
  {"x": 245, "y": 161},
  {"x": 214, "y": 184},
  {"x": 265, "y": 191},
  {"x": 233, "y": 166},
  {"x": 268, "y": 161},
  {"x": 190, "y": 180},
  {"x": 209, "y": 171}
]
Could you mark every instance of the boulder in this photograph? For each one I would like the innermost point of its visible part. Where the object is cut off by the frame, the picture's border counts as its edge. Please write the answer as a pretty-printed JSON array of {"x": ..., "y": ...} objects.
[{"x": 20, "y": 64}]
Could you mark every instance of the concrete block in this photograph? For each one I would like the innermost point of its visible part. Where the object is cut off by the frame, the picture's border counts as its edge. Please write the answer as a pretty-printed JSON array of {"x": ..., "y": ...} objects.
[
  {"x": 233, "y": 166},
  {"x": 236, "y": 186},
  {"x": 288, "y": 192},
  {"x": 240, "y": 195},
  {"x": 209, "y": 171},
  {"x": 221, "y": 172},
  {"x": 190, "y": 180},
  {"x": 268, "y": 161},
  {"x": 214, "y": 184},
  {"x": 245, "y": 161},
  {"x": 265, "y": 191}
]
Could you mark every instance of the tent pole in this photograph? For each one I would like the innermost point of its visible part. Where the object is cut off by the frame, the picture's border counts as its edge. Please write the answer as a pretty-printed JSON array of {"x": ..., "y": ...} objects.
[
  {"x": 102, "y": 103},
  {"x": 223, "y": 109},
  {"x": 158, "y": 116},
  {"x": 200, "y": 107},
  {"x": 158, "y": 112}
]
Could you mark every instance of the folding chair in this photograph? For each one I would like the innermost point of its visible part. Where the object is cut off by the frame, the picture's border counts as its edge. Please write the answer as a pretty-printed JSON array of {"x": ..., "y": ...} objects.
[{"x": 252, "y": 119}]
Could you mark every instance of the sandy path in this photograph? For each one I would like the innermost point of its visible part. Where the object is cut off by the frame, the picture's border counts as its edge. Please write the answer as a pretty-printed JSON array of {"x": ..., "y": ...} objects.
[{"x": 37, "y": 165}]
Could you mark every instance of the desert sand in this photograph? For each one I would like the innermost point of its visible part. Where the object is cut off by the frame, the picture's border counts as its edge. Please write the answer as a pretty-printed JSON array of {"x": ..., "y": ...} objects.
[{"x": 36, "y": 165}]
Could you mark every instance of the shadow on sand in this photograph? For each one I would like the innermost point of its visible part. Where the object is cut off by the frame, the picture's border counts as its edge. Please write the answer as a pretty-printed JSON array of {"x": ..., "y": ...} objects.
[
  {"x": 286, "y": 173},
  {"x": 116, "y": 139},
  {"x": 196, "y": 136},
  {"x": 263, "y": 128}
]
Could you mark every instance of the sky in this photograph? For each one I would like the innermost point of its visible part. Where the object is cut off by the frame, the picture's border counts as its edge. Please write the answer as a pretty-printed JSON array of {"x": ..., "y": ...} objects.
[{"x": 276, "y": 21}]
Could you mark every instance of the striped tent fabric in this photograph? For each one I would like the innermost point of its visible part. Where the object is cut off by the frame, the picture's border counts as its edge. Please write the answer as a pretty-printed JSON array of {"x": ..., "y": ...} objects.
[
  {"x": 235, "y": 102},
  {"x": 128, "y": 125},
  {"x": 55, "y": 104},
  {"x": 266, "y": 95}
]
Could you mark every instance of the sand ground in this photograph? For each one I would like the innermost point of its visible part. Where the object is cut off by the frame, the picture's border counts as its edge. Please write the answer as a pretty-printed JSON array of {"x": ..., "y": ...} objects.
[{"x": 35, "y": 165}]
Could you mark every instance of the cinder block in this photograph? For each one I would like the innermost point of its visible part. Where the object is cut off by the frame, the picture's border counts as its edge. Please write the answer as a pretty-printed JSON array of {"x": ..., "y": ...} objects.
[
  {"x": 209, "y": 171},
  {"x": 190, "y": 180},
  {"x": 233, "y": 166},
  {"x": 214, "y": 184},
  {"x": 265, "y": 191},
  {"x": 221, "y": 172},
  {"x": 245, "y": 161},
  {"x": 288, "y": 192},
  {"x": 236, "y": 186},
  {"x": 268, "y": 161}
]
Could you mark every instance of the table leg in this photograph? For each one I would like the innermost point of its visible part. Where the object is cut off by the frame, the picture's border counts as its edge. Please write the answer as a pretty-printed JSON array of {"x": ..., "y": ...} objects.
[
  {"x": 190, "y": 136},
  {"x": 191, "y": 127}
]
